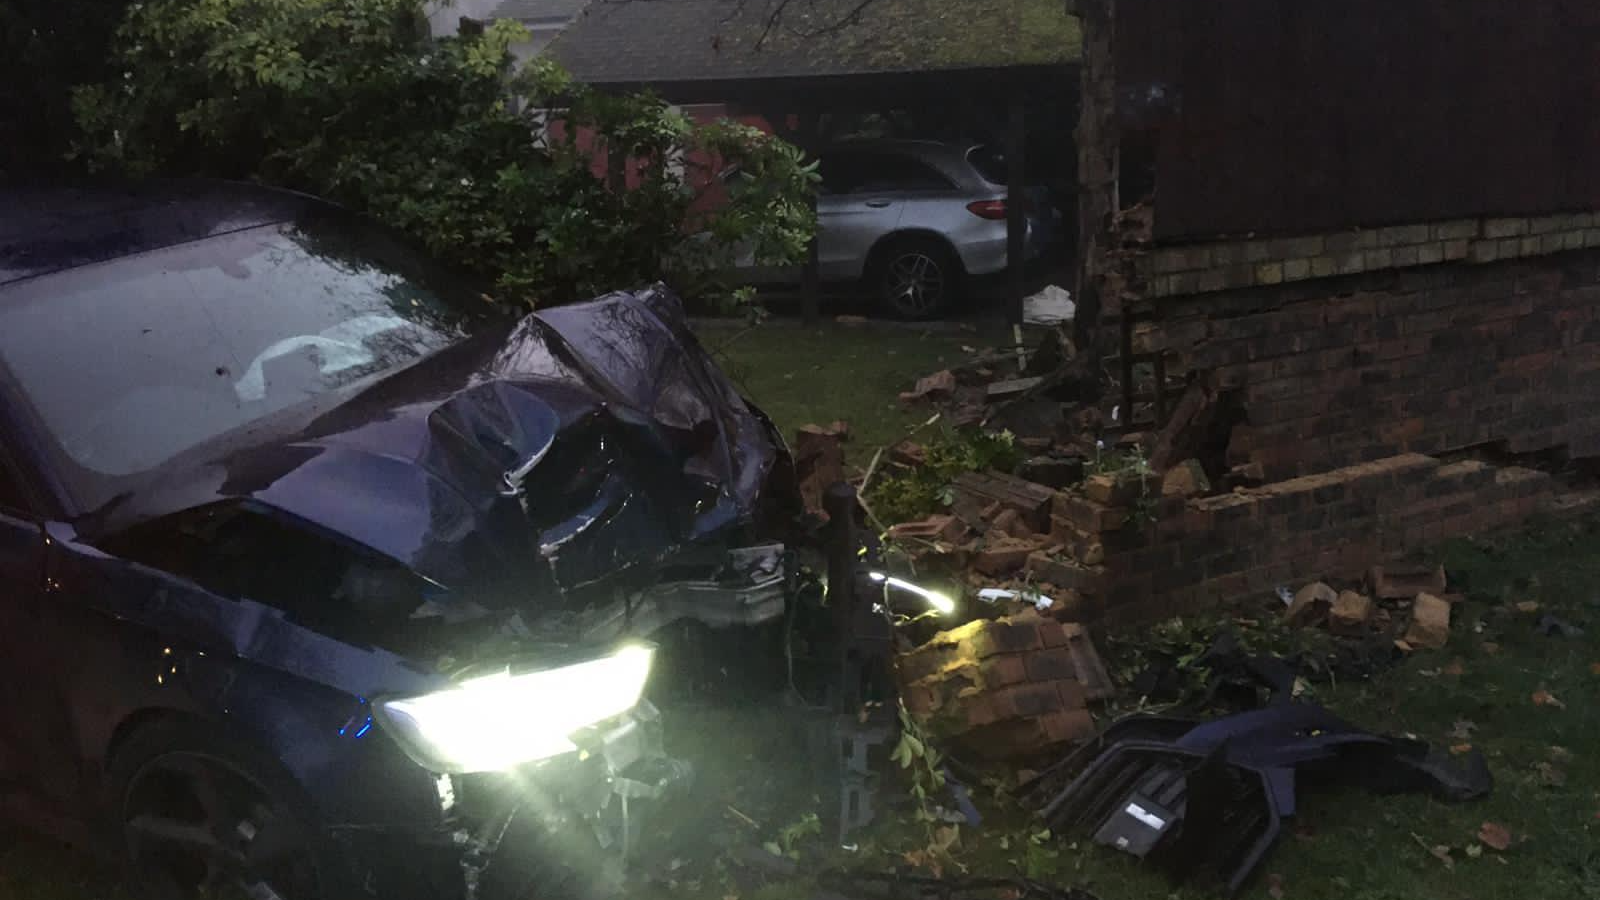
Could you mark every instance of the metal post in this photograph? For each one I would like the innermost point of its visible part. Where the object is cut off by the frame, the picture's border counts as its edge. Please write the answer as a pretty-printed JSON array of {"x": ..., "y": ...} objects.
[
  {"x": 1017, "y": 223},
  {"x": 863, "y": 660},
  {"x": 839, "y": 502},
  {"x": 811, "y": 280},
  {"x": 810, "y": 129},
  {"x": 1016, "y": 210},
  {"x": 616, "y": 167}
]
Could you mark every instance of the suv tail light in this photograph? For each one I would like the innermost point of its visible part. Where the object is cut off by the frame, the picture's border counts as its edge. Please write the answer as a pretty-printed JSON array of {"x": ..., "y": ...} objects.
[{"x": 994, "y": 210}]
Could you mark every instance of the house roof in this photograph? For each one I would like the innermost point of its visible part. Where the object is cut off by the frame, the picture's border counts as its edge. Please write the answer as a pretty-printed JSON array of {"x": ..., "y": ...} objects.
[
  {"x": 540, "y": 11},
  {"x": 643, "y": 42}
]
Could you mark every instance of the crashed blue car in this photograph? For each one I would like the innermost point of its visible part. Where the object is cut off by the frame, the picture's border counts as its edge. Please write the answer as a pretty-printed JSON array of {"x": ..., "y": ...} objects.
[{"x": 323, "y": 577}]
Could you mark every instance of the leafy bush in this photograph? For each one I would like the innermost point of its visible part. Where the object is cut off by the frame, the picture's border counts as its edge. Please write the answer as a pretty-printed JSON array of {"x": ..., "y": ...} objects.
[
  {"x": 928, "y": 489},
  {"x": 444, "y": 139},
  {"x": 45, "y": 49}
]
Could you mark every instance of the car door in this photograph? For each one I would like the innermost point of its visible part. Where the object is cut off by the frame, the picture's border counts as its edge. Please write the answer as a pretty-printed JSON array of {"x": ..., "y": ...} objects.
[
  {"x": 36, "y": 758},
  {"x": 930, "y": 200},
  {"x": 860, "y": 202}
]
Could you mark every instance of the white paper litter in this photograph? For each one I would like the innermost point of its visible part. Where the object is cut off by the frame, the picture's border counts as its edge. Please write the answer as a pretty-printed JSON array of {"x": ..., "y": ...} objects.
[
  {"x": 1051, "y": 306},
  {"x": 993, "y": 595}
]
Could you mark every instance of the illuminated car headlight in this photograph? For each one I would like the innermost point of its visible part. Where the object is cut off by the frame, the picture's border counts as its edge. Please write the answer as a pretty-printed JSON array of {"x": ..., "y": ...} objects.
[
  {"x": 941, "y": 602},
  {"x": 499, "y": 721}
]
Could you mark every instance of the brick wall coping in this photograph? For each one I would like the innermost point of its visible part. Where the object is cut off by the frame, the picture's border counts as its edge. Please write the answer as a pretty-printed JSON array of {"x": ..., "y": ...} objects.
[{"x": 1200, "y": 268}]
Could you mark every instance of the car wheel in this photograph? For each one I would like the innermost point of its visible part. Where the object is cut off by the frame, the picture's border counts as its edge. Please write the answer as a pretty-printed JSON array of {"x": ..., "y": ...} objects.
[
  {"x": 917, "y": 278},
  {"x": 202, "y": 818}
]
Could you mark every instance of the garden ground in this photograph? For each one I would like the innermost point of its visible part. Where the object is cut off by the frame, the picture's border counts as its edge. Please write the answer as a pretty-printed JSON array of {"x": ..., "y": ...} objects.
[{"x": 1528, "y": 701}]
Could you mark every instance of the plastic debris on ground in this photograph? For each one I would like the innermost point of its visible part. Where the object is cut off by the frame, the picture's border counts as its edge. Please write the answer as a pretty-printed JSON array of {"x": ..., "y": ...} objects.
[
  {"x": 1051, "y": 306},
  {"x": 1209, "y": 799},
  {"x": 1550, "y": 626},
  {"x": 994, "y": 595}
]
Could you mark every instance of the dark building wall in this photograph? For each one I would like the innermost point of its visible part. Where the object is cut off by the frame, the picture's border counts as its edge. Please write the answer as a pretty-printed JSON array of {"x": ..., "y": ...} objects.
[
  {"x": 1503, "y": 356},
  {"x": 1285, "y": 117}
]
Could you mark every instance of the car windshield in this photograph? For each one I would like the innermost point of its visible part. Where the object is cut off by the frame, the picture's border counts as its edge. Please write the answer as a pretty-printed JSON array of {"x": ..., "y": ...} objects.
[{"x": 130, "y": 363}]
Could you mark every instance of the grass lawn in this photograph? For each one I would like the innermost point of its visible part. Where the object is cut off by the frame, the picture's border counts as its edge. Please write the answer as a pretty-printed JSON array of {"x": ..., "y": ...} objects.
[
  {"x": 1346, "y": 844},
  {"x": 802, "y": 375},
  {"x": 1350, "y": 845}
]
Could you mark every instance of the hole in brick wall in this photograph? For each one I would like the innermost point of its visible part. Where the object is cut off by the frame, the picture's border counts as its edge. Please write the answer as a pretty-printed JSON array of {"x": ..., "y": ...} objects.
[
  {"x": 1574, "y": 473},
  {"x": 1212, "y": 448},
  {"x": 1200, "y": 427}
]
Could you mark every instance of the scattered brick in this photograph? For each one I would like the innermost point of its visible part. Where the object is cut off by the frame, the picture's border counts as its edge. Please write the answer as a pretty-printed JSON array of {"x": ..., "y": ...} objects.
[
  {"x": 1006, "y": 688},
  {"x": 1026, "y": 701},
  {"x": 1069, "y": 726},
  {"x": 1052, "y": 665},
  {"x": 1031, "y": 501},
  {"x": 1066, "y": 573},
  {"x": 1114, "y": 490},
  {"x": 1311, "y": 605},
  {"x": 1430, "y": 623},
  {"x": 1186, "y": 479},
  {"x": 1009, "y": 740},
  {"x": 1351, "y": 614},
  {"x": 1248, "y": 474},
  {"x": 1013, "y": 635},
  {"x": 933, "y": 659},
  {"x": 1004, "y": 556},
  {"x": 1010, "y": 522},
  {"x": 920, "y": 700},
  {"x": 819, "y": 464},
  {"x": 974, "y": 512},
  {"x": 910, "y": 455},
  {"x": 1405, "y": 582},
  {"x": 1006, "y": 669},
  {"x": 938, "y": 386},
  {"x": 1087, "y": 664},
  {"x": 932, "y": 528},
  {"x": 1003, "y": 390},
  {"x": 1092, "y": 553},
  {"x": 1090, "y": 516}
]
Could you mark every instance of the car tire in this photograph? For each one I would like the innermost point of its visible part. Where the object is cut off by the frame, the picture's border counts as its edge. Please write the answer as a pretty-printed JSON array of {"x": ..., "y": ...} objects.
[
  {"x": 916, "y": 278},
  {"x": 200, "y": 815}
]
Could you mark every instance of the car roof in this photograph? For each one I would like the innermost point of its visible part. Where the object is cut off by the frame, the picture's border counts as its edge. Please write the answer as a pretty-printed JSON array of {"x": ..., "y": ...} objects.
[
  {"x": 51, "y": 229},
  {"x": 948, "y": 157},
  {"x": 903, "y": 145}
]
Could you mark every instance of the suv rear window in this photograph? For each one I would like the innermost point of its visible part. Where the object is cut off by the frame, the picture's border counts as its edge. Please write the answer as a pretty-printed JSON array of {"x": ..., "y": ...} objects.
[
  {"x": 858, "y": 172},
  {"x": 991, "y": 163}
]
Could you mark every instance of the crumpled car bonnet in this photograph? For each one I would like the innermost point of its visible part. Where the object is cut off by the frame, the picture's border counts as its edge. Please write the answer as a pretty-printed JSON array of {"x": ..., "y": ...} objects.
[{"x": 603, "y": 425}]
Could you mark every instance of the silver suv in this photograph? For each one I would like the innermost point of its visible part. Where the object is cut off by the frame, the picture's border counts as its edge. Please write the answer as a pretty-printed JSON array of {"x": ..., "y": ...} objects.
[{"x": 912, "y": 219}]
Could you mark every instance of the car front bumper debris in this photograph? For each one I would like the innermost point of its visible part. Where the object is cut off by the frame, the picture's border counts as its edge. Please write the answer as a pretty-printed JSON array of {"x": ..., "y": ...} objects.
[
  {"x": 1209, "y": 799},
  {"x": 565, "y": 828}
]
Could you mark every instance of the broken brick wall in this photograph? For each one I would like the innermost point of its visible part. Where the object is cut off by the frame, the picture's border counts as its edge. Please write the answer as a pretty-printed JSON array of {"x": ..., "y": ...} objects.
[
  {"x": 1186, "y": 555},
  {"x": 1353, "y": 377},
  {"x": 1006, "y": 688},
  {"x": 1416, "y": 359}
]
